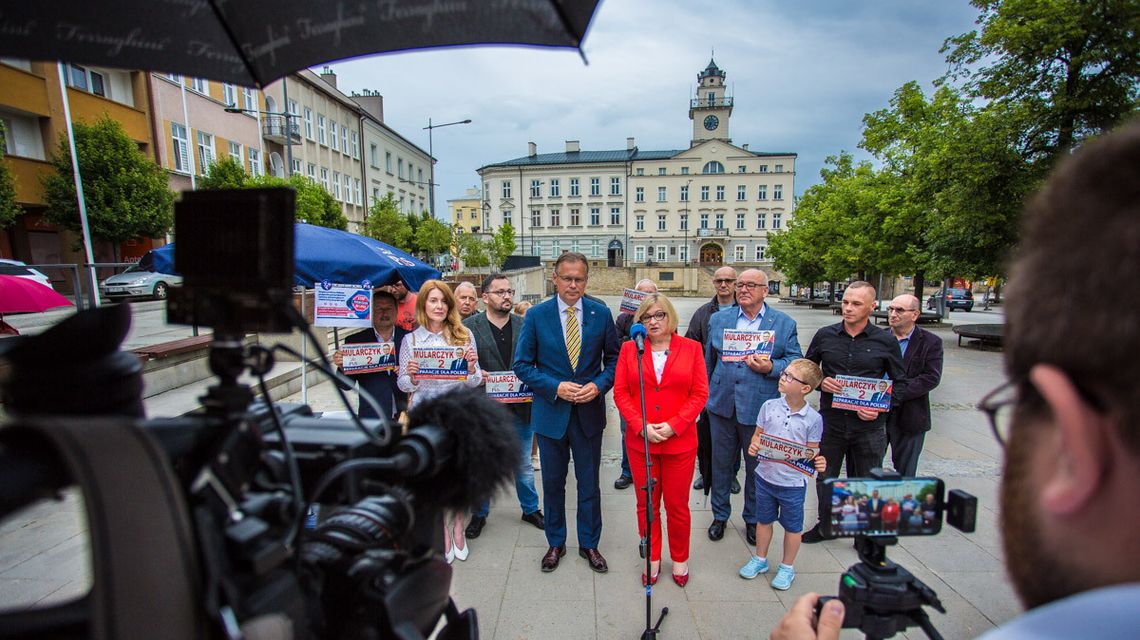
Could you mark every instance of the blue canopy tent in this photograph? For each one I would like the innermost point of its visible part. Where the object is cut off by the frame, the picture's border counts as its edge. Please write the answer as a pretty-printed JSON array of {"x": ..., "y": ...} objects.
[{"x": 321, "y": 254}]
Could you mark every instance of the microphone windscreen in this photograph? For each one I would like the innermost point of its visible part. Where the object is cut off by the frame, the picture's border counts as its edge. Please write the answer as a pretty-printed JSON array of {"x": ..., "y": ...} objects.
[
  {"x": 636, "y": 330},
  {"x": 486, "y": 449}
]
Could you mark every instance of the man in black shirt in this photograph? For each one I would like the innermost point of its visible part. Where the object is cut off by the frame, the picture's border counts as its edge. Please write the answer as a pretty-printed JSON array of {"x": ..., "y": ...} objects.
[{"x": 854, "y": 347}]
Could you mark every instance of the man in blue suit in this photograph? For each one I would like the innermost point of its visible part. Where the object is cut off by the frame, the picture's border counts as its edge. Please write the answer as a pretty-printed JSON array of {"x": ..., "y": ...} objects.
[
  {"x": 737, "y": 389},
  {"x": 567, "y": 354}
]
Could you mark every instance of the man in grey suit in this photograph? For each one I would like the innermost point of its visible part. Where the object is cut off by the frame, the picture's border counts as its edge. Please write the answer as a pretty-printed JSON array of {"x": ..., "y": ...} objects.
[
  {"x": 496, "y": 333},
  {"x": 737, "y": 389}
]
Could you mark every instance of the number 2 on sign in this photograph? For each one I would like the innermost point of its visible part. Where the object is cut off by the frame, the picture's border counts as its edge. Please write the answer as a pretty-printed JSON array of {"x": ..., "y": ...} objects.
[{"x": 441, "y": 364}]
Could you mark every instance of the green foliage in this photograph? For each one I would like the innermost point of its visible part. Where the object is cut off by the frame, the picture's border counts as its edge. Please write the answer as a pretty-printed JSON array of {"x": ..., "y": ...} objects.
[
  {"x": 385, "y": 223},
  {"x": 9, "y": 210},
  {"x": 314, "y": 205},
  {"x": 125, "y": 193},
  {"x": 226, "y": 173},
  {"x": 473, "y": 251},
  {"x": 502, "y": 245},
  {"x": 432, "y": 236}
]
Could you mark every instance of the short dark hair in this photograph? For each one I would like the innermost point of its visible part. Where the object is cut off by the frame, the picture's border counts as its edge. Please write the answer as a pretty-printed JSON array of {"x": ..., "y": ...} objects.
[
  {"x": 486, "y": 287},
  {"x": 1057, "y": 311},
  {"x": 571, "y": 256},
  {"x": 384, "y": 295}
]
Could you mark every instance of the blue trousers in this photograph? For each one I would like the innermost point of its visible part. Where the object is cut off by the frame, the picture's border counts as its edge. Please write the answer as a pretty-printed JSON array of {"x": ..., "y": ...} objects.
[
  {"x": 587, "y": 455},
  {"x": 524, "y": 473},
  {"x": 729, "y": 440}
]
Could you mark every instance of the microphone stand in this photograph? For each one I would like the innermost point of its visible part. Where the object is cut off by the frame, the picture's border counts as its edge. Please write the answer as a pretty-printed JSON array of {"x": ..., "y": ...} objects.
[{"x": 646, "y": 547}]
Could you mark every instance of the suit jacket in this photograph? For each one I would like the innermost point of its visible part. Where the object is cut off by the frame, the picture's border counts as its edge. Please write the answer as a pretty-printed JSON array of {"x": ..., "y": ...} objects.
[
  {"x": 381, "y": 385},
  {"x": 732, "y": 385},
  {"x": 488, "y": 350},
  {"x": 676, "y": 399},
  {"x": 542, "y": 363},
  {"x": 910, "y": 406}
]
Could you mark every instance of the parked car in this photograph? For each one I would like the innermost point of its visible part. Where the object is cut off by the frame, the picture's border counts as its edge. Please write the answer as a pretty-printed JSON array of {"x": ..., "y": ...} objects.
[
  {"x": 956, "y": 298},
  {"x": 137, "y": 281},
  {"x": 22, "y": 270}
]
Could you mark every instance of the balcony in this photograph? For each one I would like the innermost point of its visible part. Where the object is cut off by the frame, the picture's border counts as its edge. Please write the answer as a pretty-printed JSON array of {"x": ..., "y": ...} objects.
[
  {"x": 704, "y": 103},
  {"x": 719, "y": 232},
  {"x": 273, "y": 129}
]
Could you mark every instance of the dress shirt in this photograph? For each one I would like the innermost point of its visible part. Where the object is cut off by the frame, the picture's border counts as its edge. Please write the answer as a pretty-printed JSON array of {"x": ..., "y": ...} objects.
[
  {"x": 905, "y": 342},
  {"x": 426, "y": 389},
  {"x": 872, "y": 353},
  {"x": 744, "y": 324},
  {"x": 1108, "y": 613},
  {"x": 562, "y": 306}
]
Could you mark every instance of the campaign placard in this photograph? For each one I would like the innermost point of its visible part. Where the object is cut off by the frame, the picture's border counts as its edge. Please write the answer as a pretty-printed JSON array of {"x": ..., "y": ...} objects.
[
  {"x": 863, "y": 393},
  {"x": 738, "y": 345},
  {"x": 631, "y": 300},
  {"x": 440, "y": 363},
  {"x": 789, "y": 453},
  {"x": 342, "y": 305},
  {"x": 505, "y": 387},
  {"x": 368, "y": 357}
]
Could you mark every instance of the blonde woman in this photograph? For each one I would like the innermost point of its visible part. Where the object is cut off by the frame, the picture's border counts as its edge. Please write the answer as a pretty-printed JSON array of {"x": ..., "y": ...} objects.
[{"x": 439, "y": 326}]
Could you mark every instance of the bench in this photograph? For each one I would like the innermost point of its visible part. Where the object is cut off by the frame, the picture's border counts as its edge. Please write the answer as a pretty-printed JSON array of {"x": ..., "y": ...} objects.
[
  {"x": 984, "y": 333},
  {"x": 925, "y": 317},
  {"x": 173, "y": 347}
]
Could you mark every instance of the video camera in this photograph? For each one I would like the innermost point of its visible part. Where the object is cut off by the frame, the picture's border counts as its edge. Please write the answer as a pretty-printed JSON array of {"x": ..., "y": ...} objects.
[
  {"x": 247, "y": 518},
  {"x": 880, "y": 597}
]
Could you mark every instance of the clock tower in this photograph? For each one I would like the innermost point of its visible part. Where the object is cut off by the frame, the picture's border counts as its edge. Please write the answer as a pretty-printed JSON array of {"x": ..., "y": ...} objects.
[{"x": 710, "y": 109}]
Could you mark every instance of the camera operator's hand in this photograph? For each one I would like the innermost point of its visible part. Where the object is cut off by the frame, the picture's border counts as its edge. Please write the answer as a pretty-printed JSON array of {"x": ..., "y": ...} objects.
[
  {"x": 413, "y": 368},
  {"x": 797, "y": 622}
]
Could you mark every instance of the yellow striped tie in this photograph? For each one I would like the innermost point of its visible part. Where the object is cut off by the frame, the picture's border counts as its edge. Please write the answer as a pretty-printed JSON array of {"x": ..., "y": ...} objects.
[{"x": 573, "y": 337}]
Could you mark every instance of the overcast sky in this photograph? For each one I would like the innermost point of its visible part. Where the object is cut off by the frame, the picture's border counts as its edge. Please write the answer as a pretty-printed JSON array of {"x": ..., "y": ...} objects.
[{"x": 802, "y": 75}]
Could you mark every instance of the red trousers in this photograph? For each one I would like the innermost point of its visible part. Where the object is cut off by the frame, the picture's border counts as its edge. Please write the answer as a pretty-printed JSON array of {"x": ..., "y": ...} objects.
[{"x": 674, "y": 475}]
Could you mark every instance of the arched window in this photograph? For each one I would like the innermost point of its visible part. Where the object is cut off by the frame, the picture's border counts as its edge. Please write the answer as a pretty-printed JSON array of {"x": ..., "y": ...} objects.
[{"x": 713, "y": 167}]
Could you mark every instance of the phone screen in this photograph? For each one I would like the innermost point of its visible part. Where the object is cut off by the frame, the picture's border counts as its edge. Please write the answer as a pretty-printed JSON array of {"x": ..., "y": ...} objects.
[{"x": 866, "y": 506}]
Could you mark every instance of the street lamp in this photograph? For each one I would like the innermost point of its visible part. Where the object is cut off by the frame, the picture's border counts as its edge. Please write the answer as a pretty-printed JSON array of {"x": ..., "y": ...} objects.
[{"x": 431, "y": 159}]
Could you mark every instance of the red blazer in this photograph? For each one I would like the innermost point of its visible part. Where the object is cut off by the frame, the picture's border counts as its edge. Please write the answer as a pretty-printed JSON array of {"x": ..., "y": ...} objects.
[{"x": 677, "y": 399}]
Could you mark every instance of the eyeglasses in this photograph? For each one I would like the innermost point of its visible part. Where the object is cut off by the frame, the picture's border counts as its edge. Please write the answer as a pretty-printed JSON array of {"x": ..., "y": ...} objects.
[
  {"x": 569, "y": 280},
  {"x": 750, "y": 285},
  {"x": 786, "y": 375},
  {"x": 502, "y": 292},
  {"x": 899, "y": 310},
  {"x": 657, "y": 317},
  {"x": 998, "y": 405},
  {"x": 724, "y": 281}
]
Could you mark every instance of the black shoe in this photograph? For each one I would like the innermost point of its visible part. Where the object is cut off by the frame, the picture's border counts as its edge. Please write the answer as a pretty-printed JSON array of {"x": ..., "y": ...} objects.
[
  {"x": 716, "y": 530},
  {"x": 623, "y": 482},
  {"x": 750, "y": 534},
  {"x": 699, "y": 483},
  {"x": 535, "y": 519},
  {"x": 735, "y": 488},
  {"x": 813, "y": 536},
  {"x": 475, "y": 527}
]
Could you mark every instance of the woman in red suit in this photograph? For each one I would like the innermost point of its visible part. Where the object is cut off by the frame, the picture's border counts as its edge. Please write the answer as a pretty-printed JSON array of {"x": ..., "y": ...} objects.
[{"x": 676, "y": 388}]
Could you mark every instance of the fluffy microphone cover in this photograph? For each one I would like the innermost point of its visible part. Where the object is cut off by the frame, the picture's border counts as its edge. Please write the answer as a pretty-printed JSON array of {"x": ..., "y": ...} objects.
[{"x": 486, "y": 448}]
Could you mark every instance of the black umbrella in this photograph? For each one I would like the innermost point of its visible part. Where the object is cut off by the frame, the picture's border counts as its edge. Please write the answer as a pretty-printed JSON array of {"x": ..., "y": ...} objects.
[{"x": 254, "y": 42}]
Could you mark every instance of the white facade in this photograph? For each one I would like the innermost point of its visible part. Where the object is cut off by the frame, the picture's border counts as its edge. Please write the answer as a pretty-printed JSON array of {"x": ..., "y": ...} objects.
[
  {"x": 713, "y": 203},
  {"x": 394, "y": 165}
]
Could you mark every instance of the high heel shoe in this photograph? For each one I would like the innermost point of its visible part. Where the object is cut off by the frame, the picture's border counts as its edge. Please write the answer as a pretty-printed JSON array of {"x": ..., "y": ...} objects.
[
  {"x": 646, "y": 581},
  {"x": 681, "y": 580},
  {"x": 450, "y": 555},
  {"x": 461, "y": 554}
]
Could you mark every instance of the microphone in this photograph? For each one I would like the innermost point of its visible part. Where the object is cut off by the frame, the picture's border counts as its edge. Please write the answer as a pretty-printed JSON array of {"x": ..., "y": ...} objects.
[
  {"x": 461, "y": 447},
  {"x": 637, "y": 334}
]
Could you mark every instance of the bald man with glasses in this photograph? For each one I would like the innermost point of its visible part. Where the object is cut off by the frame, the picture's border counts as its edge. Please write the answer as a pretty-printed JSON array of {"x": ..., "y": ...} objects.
[{"x": 909, "y": 418}]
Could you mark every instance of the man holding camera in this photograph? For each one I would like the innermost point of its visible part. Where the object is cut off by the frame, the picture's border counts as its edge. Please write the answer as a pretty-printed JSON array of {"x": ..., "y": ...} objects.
[{"x": 1069, "y": 417}]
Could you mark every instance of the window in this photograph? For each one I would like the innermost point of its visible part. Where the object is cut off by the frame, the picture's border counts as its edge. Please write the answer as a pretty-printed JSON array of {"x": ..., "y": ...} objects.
[
  {"x": 312, "y": 173},
  {"x": 336, "y": 184},
  {"x": 555, "y": 248},
  {"x": 639, "y": 254},
  {"x": 661, "y": 171},
  {"x": 776, "y": 220},
  {"x": 375, "y": 195},
  {"x": 235, "y": 153},
  {"x": 247, "y": 99},
  {"x": 473, "y": 215},
  {"x": 535, "y": 188},
  {"x": 684, "y": 171},
  {"x": 355, "y": 146},
  {"x": 741, "y": 192},
  {"x": 575, "y": 245},
  {"x": 778, "y": 192},
  {"x": 596, "y": 248},
  {"x": 506, "y": 188},
  {"x": 760, "y": 253},
  {"x": 720, "y": 221},
  {"x": 742, "y": 169},
  {"x": 374, "y": 156},
  {"x": 87, "y": 80},
  {"x": 575, "y": 217},
  {"x": 205, "y": 152},
  {"x": 704, "y": 194},
  {"x": 325, "y": 180},
  {"x": 536, "y": 218},
  {"x": 685, "y": 193},
  {"x": 738, "y": 253},
  {"x": 555, "y": 187},
  {"x": 762, "y": 192},
  {"x": 229, "y": 95},
  {"x": 740, "y": 221},
  {"x": 704, "y": 220},
  {"x": 639, "y": 194},
  {"x": 720, "y": 192},
  {"x": 200, "y": 85},
  {"x": 641, "y": 172},
  {"x": 321, "y": 129},
  {"x": 344, "y": 139},
  {"x": 661, "y": 253},
  {"x": 639, "y": 223},
  {"x": 507, "y": 216},
  {"x": 348, "y": 188},
  {"x": 662, "y": 193},
  {"x": 684, "y": 222},
  {"x": 334, "y": 142},
  {"x": 661, "y": 224},
  {"x": 713, "y": 166},
  {"x": 181, "y": 146},
  {"x": 308, "y": 118},
  {"x": 596, "y": 216},
  {"x": 761, "y": 221},
  {"x": 556, "y": 217},
  {"x": 574, "y": 187},
  {"x": 763, "y": 168},
  {"x": 615, "y": 186},
  {"x": 173, "y": 77},
  {"x": 254, "y": 161},
  {"x": 779, "y": 168},
  {"x": 615, "y": 215},
  {"x": 399, "y": 166},
  {"x": 683, "y": 254},
  {"x": 388, "y": 162},
  {"x": 595, "y": 186}
]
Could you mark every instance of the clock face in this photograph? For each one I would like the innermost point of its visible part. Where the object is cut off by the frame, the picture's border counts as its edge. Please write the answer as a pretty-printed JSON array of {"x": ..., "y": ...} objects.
[{"x": 711, "y": 122}]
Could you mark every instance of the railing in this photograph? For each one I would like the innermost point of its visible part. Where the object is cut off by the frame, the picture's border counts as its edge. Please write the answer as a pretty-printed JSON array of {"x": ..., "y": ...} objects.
[
  {"x": 697, "y": 103},
  {"x": 718, "y": 232},
  {"x": 274, "y": 127}
]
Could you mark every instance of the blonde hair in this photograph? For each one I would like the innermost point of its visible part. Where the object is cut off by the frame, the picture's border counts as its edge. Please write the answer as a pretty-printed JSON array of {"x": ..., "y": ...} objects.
[
  {"x": 453, "y": 330},
  {"x": 521, "y": 307},
  {"x": 808, "y": 371},
  {"x": 661, "y": 300}
]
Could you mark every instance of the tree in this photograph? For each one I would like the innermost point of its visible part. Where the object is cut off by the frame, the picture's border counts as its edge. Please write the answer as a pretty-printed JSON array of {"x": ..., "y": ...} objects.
[
  {"x": 385, "y": 223},
  {"x": 473, "y": 251},
  {"x": 432, "y": 236},
  {"x": 125, "y": 193},
  {"x": 9, "y": 210},
  {"x": 226, "y": 173},
  {"x": 314, "y": 205},
  {"x": 502, "y": 244}
]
